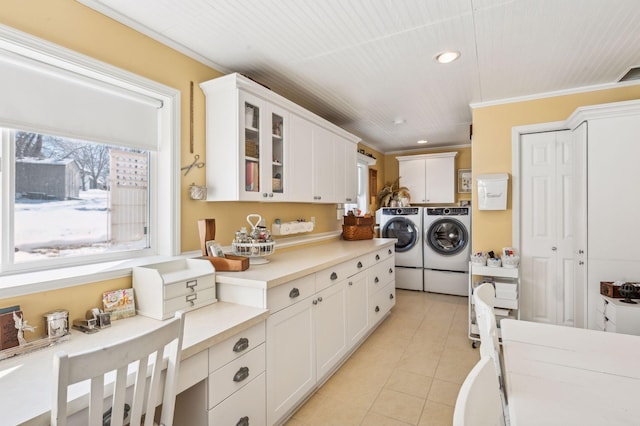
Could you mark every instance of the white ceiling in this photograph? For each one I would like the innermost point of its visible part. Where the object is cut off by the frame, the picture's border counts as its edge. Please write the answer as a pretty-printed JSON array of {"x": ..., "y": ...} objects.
[{"x": 363, "y": 64}]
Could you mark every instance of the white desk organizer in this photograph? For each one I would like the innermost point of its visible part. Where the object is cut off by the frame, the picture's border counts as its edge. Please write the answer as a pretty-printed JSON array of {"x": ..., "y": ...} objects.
[
  {"x": 294, "y": 227},
  {"x": 163, "y": 288}
]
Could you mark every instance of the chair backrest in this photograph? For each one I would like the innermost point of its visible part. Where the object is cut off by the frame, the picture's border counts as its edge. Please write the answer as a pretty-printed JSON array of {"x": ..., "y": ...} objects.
[
  {"x": 484, "y": 300},
  {"x": 149, "y": 350},
  {"x": 478, "y": 401}
]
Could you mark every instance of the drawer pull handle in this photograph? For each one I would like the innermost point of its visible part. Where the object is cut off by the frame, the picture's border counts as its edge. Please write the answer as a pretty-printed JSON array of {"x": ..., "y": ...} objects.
[
  {"x": 377, "y": 309},
  {"x": 359, "y": 265},
  {"x": 391, "y": 296},
  {"x": 294, "y": 293},
  {"x": 377, "y": 257},
  {"x": 242, "y": 374},
  {"x": 333, "y": 276},
  {"x": 391, "y": 270},
  {"x": 320, "y": 299},
  {"x": 241, "y": 345},
  {"x": 350, "y": 282},
  {"x": 191, "y": 297},
  {"x": 244, "y": 421},
  {"x": 315, "y": 301},
  {"x": 376, "y": 280},
  {"x": 606, "y": 319},
  {"x": 389, "y": 251},
  {"x": 192, "y": 284}
]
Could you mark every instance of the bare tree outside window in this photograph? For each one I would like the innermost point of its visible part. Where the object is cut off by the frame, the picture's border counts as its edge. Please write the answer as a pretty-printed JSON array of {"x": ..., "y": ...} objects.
[{"x": 64, "y": 204}]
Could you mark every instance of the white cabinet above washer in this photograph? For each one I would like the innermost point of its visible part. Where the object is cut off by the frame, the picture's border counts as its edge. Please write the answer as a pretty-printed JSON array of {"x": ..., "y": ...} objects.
[{"x": 429, "y": 177}]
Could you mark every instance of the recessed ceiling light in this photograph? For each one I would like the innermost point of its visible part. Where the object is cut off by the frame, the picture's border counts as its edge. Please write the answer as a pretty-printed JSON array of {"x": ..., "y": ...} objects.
[
  {"x": 447, "y": 57},
  {"x": 399, "y": 121},
  {"x": 423, "y": 141}
]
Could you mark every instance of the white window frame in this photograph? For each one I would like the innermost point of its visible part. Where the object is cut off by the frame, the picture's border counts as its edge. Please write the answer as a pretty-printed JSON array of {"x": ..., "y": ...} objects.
[{"x": 164, "y": 176}]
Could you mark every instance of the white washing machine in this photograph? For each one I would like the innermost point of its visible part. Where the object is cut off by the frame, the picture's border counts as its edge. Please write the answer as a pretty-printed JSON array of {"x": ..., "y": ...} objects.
[
  {"x": 447, "y": 247},
  {"x": 405, "y": 225}
]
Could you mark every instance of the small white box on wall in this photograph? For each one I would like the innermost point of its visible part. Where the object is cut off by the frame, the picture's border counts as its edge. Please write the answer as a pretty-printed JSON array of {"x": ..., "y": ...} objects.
[{"x": 492, "y": 191}]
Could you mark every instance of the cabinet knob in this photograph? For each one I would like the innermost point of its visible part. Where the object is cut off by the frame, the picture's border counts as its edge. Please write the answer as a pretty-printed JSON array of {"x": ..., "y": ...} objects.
[
  {"x": 333, "y": 276},
  {"x": 241, "y": 374},
  {"x": 390, "y": 251},
  {"x": 391, "y": 270},
  {"x": 350, "y": 282},
  {"x": 377, "y": 257},
  {"x": 580, "y": 251},
  {"x": 244, "y": 421},
  {"x": 554, "y": 248},
  {"x": 271, "y": 194},
  {"x": 320, "y": 299},
  {"x": 376, "y": 280},
  {"x": 391, "y": 296},
  {"x": 315, "y": 301},
  {"x": 264, "y": 194},
  {"x": 581, "y": 263},
  {"x": 241, "y": 345},
  {"x": 377, "y": 309},
  {"x": 294, "y": 293},
  {"x": 359, "y": 265}
]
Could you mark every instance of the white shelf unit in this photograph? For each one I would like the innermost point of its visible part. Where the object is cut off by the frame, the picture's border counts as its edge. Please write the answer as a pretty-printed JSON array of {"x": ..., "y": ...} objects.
[{"x": 507, "y": 305}]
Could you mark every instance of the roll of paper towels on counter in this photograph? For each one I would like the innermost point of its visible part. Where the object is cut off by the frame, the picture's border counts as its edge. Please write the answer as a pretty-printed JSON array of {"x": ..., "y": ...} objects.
[{"x": 492, "y": 191}]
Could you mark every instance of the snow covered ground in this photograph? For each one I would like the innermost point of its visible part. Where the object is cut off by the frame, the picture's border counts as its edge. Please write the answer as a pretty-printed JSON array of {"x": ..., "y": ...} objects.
[{"x": 64, "y": 228}]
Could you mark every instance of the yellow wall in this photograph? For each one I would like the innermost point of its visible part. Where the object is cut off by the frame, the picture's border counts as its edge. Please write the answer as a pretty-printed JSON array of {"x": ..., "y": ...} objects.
[
  {"x": 74, "y": 26},
  {"x": 462, "y": 161},
  {"x": 492, "y": 126}
]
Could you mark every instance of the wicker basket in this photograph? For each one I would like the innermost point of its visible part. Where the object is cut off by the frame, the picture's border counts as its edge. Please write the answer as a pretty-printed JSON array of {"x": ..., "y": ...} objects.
[
  {"x": 358, "y": 220},
  {"x": 357, "y": 232}
]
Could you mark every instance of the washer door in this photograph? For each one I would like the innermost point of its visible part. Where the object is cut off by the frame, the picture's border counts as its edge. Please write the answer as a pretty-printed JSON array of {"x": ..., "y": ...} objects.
[
  {"x": 447, "y": 236},
  {"x": 404, "y": 231}
]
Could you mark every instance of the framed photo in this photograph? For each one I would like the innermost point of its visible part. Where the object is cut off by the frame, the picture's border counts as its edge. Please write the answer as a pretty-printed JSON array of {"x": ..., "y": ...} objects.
[{"x": 464, "y": 180}]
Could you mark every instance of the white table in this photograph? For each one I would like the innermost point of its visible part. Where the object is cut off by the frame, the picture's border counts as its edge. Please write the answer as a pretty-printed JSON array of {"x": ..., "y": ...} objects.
[{"x": 559, "y": 375}]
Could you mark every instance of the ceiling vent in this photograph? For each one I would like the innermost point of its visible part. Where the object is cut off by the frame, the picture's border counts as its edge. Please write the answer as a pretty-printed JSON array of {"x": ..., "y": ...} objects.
[{"x": 632, "y": 74}]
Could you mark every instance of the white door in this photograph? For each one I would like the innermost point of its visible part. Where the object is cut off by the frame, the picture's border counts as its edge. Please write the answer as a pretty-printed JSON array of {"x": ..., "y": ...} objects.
[
  {"x": 300, "y": 166},
  {"x": 323, "y": 166},
  {"x": 547, "y": 265},
  {"x": 330, "y": 317},
  {"x": 291, "y": 360},
  {"x": 357, "y": 308},
  {"x": 412, "y": 175},
  {"x": 440, "y": 181},
  {"x": 580, "y": 224}
]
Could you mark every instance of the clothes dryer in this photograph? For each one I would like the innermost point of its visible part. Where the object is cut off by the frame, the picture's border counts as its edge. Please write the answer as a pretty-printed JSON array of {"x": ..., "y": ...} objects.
[
  {"x": 446, "y": 249},
  {"x": 405, "y": 225}
]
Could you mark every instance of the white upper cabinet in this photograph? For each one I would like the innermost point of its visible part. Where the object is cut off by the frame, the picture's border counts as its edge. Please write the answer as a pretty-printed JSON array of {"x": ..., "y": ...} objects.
[
  {"x": 255, "y": 152},
  {"x": 430, "y": 177}
]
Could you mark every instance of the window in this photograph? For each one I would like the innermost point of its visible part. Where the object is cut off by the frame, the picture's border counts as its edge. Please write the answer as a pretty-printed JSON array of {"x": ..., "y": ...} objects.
[{"x": 83, "y": 144}]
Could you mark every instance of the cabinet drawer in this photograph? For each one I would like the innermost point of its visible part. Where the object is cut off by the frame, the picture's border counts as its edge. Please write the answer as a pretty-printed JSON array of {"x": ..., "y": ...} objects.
[
  {"x": 289, "y": 293},
  {"x": 190, "y": 301},
  {"x": 235, "y": 375},
  {"x": 383, "y": 254},
  {"x": 381, "y": 274},
  {"x": 236, "y": 346},
  {"x": 382, "y": 302},
  {"x": 245, "y": 407},
  {"x": 330, "y": 276},
  {"x": 189, "y": 286},
  {"x": 609, "y": 311}
]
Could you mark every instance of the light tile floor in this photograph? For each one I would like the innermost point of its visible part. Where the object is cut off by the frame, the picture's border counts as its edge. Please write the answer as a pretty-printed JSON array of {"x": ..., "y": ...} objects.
[{"x": 408, "y": 372}]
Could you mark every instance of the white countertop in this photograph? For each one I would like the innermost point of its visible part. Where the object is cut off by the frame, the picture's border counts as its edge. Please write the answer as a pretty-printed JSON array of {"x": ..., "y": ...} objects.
[
  {"x": 296, "y": 263},
  {"x": 26, "y": 380}
]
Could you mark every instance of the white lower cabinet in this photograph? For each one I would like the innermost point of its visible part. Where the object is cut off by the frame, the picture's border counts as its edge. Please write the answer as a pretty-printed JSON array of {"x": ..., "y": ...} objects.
[
  {"x": 330, "y": 320},
  {"x": 237, "y": 375},
  {"x": 616, "y": 316},
  {"x": 291, "y": 358},
  {"x": 357, "y": 309},
  {"x": 244, "y": 408}
]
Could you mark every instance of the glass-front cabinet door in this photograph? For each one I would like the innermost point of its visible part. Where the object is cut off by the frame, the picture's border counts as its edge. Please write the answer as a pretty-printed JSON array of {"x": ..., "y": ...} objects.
[{"x": 263, "y": 149}]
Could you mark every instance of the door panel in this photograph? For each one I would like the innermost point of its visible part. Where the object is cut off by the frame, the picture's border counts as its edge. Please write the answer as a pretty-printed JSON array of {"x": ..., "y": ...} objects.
[{"x": 547, "y": 209}]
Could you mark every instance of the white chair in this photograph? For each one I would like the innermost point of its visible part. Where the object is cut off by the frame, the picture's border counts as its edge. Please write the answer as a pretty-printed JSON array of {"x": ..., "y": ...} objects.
[
  {"x": 148, "y": 350},
  {"x": 484, "y": 301},
  {"x": 478, "y": 402}
]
